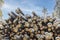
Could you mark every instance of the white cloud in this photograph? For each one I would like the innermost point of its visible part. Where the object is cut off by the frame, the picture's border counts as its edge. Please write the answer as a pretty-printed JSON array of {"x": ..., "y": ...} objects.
[
  {"x": 6, "y": 6},
  {"x": 26, "y": 9},
  {"x": 9, "y": 7}
]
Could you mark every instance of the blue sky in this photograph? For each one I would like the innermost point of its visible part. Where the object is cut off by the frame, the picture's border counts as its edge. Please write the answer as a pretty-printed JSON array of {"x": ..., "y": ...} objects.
[{"x": 27, "y": 6}]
